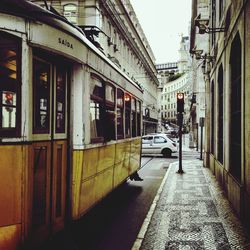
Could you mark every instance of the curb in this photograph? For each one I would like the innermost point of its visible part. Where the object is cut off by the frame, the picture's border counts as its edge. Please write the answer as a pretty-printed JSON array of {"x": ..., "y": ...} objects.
[{"x": 145, "y": 224}]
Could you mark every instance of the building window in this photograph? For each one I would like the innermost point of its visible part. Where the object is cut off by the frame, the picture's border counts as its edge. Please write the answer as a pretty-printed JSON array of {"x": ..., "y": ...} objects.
[
  {"x": 96, "y": 110},
  {"x": 70, "y": 12},
  {"x": 127, "y": 98},
  {"x": 235, "y": 104},
  {"x": 41, "y": 97},
  {"x": 220, "y": 115},
  {"x": 10, "y": 93},
  {"x": 120, "y": 114}
]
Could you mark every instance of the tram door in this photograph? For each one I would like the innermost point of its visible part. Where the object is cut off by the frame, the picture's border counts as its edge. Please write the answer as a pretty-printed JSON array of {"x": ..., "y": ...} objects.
[{"x": 50, "y": 147}]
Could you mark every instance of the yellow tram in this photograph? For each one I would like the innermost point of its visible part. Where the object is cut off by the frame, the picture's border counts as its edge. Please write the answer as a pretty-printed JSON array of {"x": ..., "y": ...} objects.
[{"x": 70, "y": 124}]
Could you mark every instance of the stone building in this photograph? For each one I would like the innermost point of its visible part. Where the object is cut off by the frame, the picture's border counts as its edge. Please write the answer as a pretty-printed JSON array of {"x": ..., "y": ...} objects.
[
  {"x": 226, "y": 70},
  {"x": 175, "y": 77},
  {"x": 113, "y": 27}
]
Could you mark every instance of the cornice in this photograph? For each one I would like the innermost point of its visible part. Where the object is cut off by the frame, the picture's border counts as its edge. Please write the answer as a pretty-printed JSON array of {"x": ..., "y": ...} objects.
[{"x": 108, "y": 6}]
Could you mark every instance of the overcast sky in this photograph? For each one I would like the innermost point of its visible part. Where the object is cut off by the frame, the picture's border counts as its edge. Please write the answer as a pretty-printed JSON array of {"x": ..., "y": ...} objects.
[{"x": 163, "y": 22}]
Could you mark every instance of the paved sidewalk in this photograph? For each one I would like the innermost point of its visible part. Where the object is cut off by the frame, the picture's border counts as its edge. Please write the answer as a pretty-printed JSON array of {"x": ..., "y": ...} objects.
[{"x": 190, "y": 211}]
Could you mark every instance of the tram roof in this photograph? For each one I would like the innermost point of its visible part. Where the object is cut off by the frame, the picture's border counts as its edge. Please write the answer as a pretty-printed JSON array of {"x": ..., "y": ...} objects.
[{"x": 31, "y": 11}]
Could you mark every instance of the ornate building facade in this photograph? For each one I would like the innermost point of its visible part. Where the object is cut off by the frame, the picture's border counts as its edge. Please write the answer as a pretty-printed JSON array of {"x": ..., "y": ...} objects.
[
  {"x": 113, "y": 27},
  {"x": 175, "y": 77}
]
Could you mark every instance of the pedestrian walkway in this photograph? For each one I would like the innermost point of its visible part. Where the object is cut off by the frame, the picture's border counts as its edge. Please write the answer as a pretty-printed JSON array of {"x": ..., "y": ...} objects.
[{"x": 190, "y": 211}]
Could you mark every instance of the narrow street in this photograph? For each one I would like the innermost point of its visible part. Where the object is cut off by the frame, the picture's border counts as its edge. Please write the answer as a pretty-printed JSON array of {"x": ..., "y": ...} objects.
[{"x": 116, "y": 221}]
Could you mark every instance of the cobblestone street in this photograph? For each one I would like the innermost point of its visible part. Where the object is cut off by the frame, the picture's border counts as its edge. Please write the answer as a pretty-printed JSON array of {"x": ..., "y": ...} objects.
[{"x": 191, "y": 212}]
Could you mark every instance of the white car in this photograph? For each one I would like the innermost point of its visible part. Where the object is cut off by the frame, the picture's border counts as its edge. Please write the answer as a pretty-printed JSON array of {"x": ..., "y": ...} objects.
[{"x": 158, "y": 144}]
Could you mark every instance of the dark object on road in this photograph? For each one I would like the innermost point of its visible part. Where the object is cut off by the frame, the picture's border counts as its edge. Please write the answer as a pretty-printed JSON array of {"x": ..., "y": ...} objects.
[{"x": 135, "y": 176}]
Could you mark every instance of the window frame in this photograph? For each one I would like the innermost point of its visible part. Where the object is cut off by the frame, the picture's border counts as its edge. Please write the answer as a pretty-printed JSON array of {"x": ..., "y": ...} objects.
[
  {"x": 101, "y": 101},
  {"x": 16, "y": 131},
  {"x": 71, "y": 14},
  {"x": 138, "y": 118},
  {"x": 120, "y": 106},
  {"x": 149, "y": 140},
  {"x": 37, "y": 130},
  {"x": 64, "y": 71},
  {"x": 109, "y": 106},
  {"x": 133, "y": 117},
  {"x": 159, "y": 137},
  {"x": 127, "y": 109}
]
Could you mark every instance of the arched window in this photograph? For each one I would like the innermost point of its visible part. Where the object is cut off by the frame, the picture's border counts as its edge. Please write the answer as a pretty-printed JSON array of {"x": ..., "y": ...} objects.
[
  {"x": 10, "y": 92},
  {"x": 235, "y": 108},
  {"x": 70, "y": 12},
  {"x": 220, "y": 115}
]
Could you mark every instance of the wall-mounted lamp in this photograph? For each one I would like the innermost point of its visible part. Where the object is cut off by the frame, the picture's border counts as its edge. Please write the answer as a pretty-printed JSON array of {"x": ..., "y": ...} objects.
[
  {"x": 206, "y": 60},
  {"x": 202, "y": 24},
  {"x": 198, "y": 55}
]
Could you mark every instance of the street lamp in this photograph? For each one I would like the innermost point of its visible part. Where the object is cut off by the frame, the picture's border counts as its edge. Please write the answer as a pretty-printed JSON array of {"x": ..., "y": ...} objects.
[
  {"x": 180, "y": 111},
  {"x": 202, "y": 24},
  {"x": 207, "y": 60}
]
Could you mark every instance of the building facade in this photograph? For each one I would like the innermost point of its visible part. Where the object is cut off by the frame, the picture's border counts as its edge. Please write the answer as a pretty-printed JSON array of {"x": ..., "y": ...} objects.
[
  {"x": 226, "y": 71},
  {"x": 199, "y": 47},
  {"x": 175, "y": 77},
  {"x": 113, "y": 27}
]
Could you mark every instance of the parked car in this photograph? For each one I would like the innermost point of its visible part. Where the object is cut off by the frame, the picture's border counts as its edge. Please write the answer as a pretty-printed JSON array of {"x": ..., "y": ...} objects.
[{"x": 158, "y": 144}]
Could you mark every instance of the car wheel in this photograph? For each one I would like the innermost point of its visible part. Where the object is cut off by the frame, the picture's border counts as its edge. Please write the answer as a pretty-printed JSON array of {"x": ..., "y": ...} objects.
[{"x": 166, "y": 152}]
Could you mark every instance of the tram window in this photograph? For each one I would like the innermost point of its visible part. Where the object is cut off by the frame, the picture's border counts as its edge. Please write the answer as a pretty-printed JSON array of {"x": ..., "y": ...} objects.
[
  {"x": 138, "y": 120},
  {"x": 9, "y": 87},
  {"x": 120, "y": 112},
  {"x": 41, "y": 95},
  {"x": 127, "y": 115},
  {"x": 97, "y": 113},
  {"x": 133, "y": 108},
  {"x": 60, "y": 100},
  {"x": 109, "y": 124}
]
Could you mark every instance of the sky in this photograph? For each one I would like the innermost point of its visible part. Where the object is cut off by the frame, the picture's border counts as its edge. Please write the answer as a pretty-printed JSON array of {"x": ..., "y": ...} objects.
[{"x": 163, "y": 22}]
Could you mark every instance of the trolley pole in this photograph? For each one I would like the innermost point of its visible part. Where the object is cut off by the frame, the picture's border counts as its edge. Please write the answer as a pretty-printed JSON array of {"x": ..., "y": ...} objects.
[{"x": 180, "y": 121}]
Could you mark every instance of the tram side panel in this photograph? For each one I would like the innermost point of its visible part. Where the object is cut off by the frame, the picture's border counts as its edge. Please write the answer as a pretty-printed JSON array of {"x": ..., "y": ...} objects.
[
  {"x": 13, "y": 158},
  {"x": 96, "y": 168}
]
